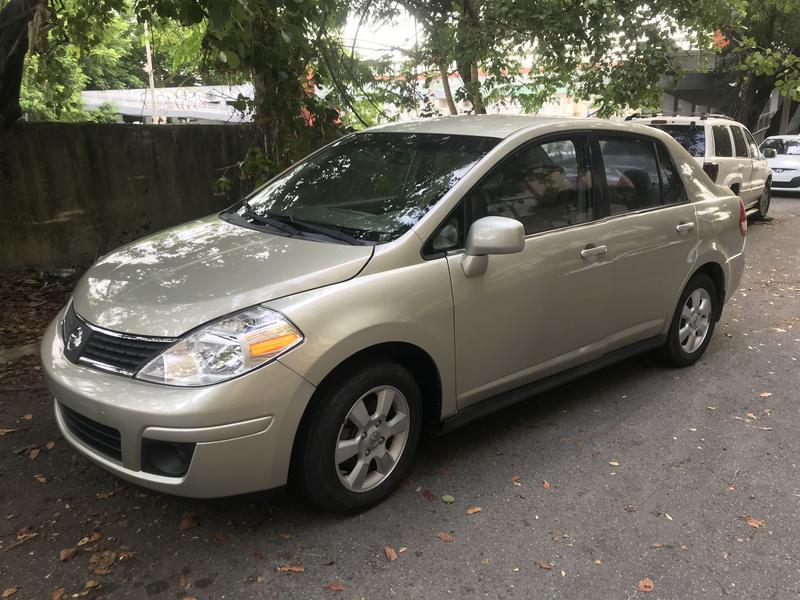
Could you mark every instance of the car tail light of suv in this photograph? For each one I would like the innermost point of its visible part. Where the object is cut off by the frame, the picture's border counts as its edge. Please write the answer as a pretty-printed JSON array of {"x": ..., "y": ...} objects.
[
  {"x": 712, "y": 170},
  {"x": 742, "y": 219}
]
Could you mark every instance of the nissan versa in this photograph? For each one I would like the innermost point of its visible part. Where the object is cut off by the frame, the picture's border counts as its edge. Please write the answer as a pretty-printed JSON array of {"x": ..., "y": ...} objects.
[{"x": 409, "y": 277}]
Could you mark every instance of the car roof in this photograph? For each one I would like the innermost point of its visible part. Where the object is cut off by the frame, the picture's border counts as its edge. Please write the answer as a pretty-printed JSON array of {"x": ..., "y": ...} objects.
[
  {"x": 496, "y": 126},
  {"x": 784, "y": 136},
  {"x": 685, "y": 120}
]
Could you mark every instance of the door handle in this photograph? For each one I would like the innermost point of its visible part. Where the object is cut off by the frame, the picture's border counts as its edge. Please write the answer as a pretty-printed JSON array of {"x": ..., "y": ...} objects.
[
  {"x": 592, "y": 250},
  {"x": 684, "y": 228}
]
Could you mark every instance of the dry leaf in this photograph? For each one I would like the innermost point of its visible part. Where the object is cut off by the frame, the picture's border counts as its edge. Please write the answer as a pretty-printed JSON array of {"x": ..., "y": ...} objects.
[
  {"x": 67, "y": 553},
  {"x": 473, "y": 509},
  {"x": 28, "y": 417},
  {"x": 614, "y": 463},
  {"x": 669, "y": 518},
  {"x": 102, "y": 562},
  {"x": 286, "y": 536},
  {"x": 40, "y": 478},
  {"x": 104, "y": 495},
  {"x": 646, "y": 585},
  {"x": 765, "y": 394},
  {"x": 34, "y": 453},
  {"x": 429, "y": 496},
  {"x": 448, "y": 499},
  {"x": 597, "y": 561},
  {"x": 50, "y": 445},
  {"x": 59, "y": 594},
  {"x": 125, "y": 555},
  {"x": 335, "y": 586},
  {"x": 445, "y": 537},
  {"x": 543, "y": 564},
  {"x": 546, "y": 484},
  {"x": 751, "y": 416},
  {"x": 220, "y": 538},
  {"x": 753, "y": 522},
  {"x": 91, "y": 584},
  {"x": 189, "y": 519},
  {"x": 390, "y": 553},
  {"x": 183, "y": 582},
  {"x": 290, "y": 569},
  {"x": 515, "y": 479},
  {"x": 6, "y": 431},
  {"x": 9, "y": 592}
]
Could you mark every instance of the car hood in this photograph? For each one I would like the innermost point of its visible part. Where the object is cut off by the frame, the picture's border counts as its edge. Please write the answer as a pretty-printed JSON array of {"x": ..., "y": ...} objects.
[
  {"x": 179, "y": 278},
  {"x": 784, "y": 162}
]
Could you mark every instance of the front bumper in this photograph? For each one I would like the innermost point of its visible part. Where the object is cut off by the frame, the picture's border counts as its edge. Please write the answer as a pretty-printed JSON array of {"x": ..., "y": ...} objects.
[
  {"x": 241, "y": 431},
  {"x": 786, "y": 182}
]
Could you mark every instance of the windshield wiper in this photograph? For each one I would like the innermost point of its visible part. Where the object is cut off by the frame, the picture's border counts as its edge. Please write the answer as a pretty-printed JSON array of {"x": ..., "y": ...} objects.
[
  {"x": 330, "y": 232},
  {"x": 268, "y": 220}
]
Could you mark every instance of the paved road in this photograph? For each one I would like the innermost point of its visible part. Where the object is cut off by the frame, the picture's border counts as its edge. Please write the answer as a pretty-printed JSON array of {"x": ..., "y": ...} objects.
[{"x": 653, "y": 473}]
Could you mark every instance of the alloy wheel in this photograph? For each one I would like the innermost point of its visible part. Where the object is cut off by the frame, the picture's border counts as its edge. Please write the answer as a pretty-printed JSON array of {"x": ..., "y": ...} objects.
[
  {"x": 695, "y": 320},
  {"x": 372, "y": 438}
]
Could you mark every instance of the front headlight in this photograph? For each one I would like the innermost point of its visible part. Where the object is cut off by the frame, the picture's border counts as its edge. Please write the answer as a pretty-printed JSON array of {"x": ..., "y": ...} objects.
[{"x": 223, "y": 349}]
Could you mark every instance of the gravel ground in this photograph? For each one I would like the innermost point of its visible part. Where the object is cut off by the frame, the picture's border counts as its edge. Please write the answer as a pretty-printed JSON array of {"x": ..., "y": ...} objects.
[{"x": 688, "y": 478}]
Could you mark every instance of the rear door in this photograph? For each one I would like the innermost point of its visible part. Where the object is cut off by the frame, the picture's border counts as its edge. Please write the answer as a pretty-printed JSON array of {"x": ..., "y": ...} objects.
[
  {"x": 729, "y": 166},
  {"x": 749, "y": 190},
  {"x": 651, "y": 236},
  {"x": 761, "y": 168}
]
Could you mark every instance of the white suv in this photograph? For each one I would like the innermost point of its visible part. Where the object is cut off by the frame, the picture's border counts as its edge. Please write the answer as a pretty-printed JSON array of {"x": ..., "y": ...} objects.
[{"x": 727, "y": 152}]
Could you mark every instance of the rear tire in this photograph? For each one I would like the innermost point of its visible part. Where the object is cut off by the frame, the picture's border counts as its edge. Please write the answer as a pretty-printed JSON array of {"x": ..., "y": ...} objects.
[
  {"x": 361, "y": 439},
  {"x": 693, "y": 322},
  {"x": 763, "y": 202}
]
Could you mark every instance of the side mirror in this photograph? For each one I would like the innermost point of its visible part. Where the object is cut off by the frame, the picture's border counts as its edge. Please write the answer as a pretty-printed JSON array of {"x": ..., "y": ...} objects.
[
  {"x": 769, "y": 152},
  {"x": 491, "y": 235}
]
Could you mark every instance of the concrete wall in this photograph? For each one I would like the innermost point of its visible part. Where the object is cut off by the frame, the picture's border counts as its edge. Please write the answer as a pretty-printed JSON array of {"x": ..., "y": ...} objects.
[{"x": 71, "y": 192}]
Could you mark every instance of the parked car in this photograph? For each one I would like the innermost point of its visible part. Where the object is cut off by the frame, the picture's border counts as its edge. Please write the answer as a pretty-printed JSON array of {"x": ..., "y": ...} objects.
[
  {"x": 727, "y": 152},
  {"x": 783, "y": 155},
  {"x": 410, "y": 277}
]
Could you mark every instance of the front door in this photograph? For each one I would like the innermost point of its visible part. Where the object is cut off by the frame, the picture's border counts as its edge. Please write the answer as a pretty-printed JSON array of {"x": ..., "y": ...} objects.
[{"x": 535, "y": 312}]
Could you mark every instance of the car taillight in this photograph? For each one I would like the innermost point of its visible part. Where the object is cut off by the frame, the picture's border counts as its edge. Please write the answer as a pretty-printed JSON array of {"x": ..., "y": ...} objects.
[
  {"x": 712, "y": 170},
  {"x": 742, "y": 219}
]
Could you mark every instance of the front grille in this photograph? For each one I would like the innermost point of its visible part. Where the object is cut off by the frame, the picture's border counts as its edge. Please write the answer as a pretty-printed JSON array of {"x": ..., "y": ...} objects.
[
  {"x": 106, "y": 440},
  {"x": 87, "y": 344}
]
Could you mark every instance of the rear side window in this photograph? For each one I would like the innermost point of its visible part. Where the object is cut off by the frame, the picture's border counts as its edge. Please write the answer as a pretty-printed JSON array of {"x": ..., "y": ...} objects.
[
  {"x": 722, "y": 141},
  {"x": 739, "y": 143},
  {"x": 691, "y": 137},
  {"x": 631, "y": 172},
  {"x": 672, "y": 190}
]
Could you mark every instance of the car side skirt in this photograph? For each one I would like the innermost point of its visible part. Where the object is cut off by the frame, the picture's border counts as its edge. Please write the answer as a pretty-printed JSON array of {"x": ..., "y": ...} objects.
[{"x": 525, "y": 392}]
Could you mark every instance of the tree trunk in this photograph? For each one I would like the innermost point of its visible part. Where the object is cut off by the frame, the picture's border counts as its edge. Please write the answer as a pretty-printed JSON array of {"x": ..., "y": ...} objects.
[
  {"x": 448, "y": 94},
  {"x": 14, "y": 19}
]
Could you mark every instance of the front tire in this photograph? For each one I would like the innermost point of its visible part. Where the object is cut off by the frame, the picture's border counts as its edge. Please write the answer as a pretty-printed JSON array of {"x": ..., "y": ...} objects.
[
  {"x": 693, "y": 322},
  {"x": 361, "y": 438},
  {"x": 763, "y": 202}
]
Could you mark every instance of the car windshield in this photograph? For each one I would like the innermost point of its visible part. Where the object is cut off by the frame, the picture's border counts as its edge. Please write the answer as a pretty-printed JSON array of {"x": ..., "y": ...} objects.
[
  {"x": 691, "y": 137},
  {"x": 369, "y": 187},
  {"x": 783, "y": 146}
]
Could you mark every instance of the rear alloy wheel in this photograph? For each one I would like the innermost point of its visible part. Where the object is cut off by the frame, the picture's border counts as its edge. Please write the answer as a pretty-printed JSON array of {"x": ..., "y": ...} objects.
[
  {"x": 763, "y": 202},
  {"x": 693, "y": 322},
  {"x": 362, "y": 438}
]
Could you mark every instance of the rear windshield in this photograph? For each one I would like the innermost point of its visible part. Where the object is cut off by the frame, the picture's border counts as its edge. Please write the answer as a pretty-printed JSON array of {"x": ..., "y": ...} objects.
[
  {"x": 691, "y": 137},
  {"x": 782, "y": 146}
]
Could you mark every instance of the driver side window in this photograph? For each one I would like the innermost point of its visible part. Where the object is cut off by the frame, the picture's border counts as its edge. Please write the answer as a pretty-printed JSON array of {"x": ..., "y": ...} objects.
[{"x": 546, "y": 186}]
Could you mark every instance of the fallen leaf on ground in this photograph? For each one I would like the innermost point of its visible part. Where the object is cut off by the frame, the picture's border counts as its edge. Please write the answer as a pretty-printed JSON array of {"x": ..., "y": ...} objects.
[
  {"x": 50, "y": 445},
  {"x": 104, "y": 495},
  {"x": 28, "y": 417},
  {"x": 183, "y": 581},
  {"x": 59, "y": 594},
  {"x": 515, "y": 479},
  {"x": 390, "y": 553},
  {"x": 335, "y": 586},
  {"x": 473, "y": 509},
  {"x": 448, "y": 499},
  {"x": 646, "y": 585},
  {"x": 40, "y": 478},
  {"x": 220, "y": 538},
  {"x": 669, "y": 518},
  {"x": 543, "y": 564},
  {"x": 286, "y": 536},
  {"x": 125, "y": 555},
  {"x": 546, "y": 484},
  {"x": 753, "y": 522},
  {"x": 25, "y": 533},
  {"x": 102, "y": 562},
  {"x": 751, "y": 416},
  {"x": 6, "y": 431},
  {"x": 597, "y": 561},
  {"x": 91, "y": 584},
  {"x": 445, "y": 537},
  {"x": 34, "y": 453},
  {"x": 429, "y": 495},
  {"x": 67, "y": 553},
  {"x": 189, "y": 519},
  {"x": 402, "y": 550},
  {"x": 9, "y": 592},
  {"x": 765, "y": 394},
  {"x": 614, "y": 463},
  {"x": 290, "y": 569}
]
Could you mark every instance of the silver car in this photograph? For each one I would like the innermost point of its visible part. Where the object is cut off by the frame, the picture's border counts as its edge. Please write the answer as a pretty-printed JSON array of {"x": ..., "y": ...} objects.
[{"x": 406, "y": 278}]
